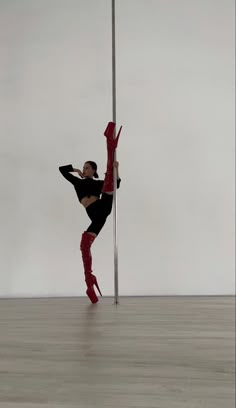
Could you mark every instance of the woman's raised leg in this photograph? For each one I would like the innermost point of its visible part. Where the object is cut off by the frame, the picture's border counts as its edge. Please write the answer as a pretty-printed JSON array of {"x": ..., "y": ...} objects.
[{"x": 108, "y": 185}]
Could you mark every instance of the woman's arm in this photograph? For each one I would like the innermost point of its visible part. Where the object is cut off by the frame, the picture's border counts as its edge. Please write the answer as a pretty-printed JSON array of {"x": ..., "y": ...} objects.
[
  {"x": 116, "y": 165},
  {"x": 66, "y": 170},
  {"x": 79, "y": 172}
]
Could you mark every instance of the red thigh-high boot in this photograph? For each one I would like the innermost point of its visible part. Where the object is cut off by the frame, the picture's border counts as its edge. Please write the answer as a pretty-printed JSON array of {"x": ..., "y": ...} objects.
[
  {"x": 112, "y": 143},
  {"x": 85, "y": 244}
]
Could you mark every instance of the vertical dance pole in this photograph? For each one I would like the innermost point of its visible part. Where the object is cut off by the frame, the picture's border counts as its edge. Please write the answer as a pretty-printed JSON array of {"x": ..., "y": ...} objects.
[{"x": 115, "y": 173}]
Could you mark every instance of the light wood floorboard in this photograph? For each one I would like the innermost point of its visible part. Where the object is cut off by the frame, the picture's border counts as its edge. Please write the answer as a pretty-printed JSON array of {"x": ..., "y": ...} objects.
[{"x": 147, "y": 352}]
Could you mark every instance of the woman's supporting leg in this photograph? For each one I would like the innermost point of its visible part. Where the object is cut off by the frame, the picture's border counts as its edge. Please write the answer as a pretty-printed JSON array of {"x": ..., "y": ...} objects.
[
  {"x": 98, "y": 213},
  {"x": 85, "y": 245},
  {"x": 108, "y": 185}
]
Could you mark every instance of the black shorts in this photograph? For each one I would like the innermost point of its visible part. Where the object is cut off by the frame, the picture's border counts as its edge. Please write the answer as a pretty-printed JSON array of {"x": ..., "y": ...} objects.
[{"x": 99, "y": 211}]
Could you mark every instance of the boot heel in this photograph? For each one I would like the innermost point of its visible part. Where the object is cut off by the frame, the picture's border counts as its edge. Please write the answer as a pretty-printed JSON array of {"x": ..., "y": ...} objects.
[
  {"x": 96, "y": 284},
  {"x": 117, "y": 137}
]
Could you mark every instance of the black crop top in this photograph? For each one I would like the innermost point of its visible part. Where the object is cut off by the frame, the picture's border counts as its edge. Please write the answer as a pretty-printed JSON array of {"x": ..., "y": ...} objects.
[{"x": 84, "y": 187}]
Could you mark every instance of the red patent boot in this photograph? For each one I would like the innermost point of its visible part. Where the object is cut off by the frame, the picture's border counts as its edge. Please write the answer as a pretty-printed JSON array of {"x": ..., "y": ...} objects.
[
  {"x": 90, "y": 279},
  {"x": 109, "y": 133},
  {"x": 108, "y": 185}
]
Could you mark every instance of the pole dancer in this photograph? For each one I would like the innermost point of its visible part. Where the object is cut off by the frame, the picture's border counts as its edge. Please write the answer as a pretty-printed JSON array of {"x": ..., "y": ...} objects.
[{"x": 88, "y": 191}]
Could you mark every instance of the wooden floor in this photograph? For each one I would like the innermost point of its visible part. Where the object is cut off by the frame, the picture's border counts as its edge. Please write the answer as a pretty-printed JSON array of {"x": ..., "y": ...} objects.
[{"x": 147, "y": 352}]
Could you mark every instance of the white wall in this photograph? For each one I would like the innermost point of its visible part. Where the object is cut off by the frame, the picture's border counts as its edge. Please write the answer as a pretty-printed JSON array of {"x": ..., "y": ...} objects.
[{"x": 175, "y": 99}]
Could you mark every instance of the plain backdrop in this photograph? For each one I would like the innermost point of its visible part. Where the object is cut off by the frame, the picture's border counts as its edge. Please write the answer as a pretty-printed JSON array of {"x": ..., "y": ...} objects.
[{"x": 175, "y": 100}]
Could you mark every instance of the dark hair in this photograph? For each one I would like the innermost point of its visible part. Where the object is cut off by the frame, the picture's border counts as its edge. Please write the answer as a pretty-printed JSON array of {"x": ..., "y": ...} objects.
[{"x": 94, "y": 167}]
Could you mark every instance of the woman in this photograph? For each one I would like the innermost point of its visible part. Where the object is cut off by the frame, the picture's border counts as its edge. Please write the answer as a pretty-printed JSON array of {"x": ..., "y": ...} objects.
[{"x": 88, "y": 192}]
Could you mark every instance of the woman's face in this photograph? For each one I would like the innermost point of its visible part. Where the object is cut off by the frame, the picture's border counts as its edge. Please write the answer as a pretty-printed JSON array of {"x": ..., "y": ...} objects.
[{"x": 88, "y": 171}]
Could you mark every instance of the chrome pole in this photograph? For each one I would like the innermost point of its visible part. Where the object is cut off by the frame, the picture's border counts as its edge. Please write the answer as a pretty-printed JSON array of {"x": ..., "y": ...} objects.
[{"x": 116, "y": 301}]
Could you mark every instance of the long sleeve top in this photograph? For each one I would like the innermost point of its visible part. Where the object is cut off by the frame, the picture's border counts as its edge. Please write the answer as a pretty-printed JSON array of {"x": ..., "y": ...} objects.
[{"x": 84, "y": 187}]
